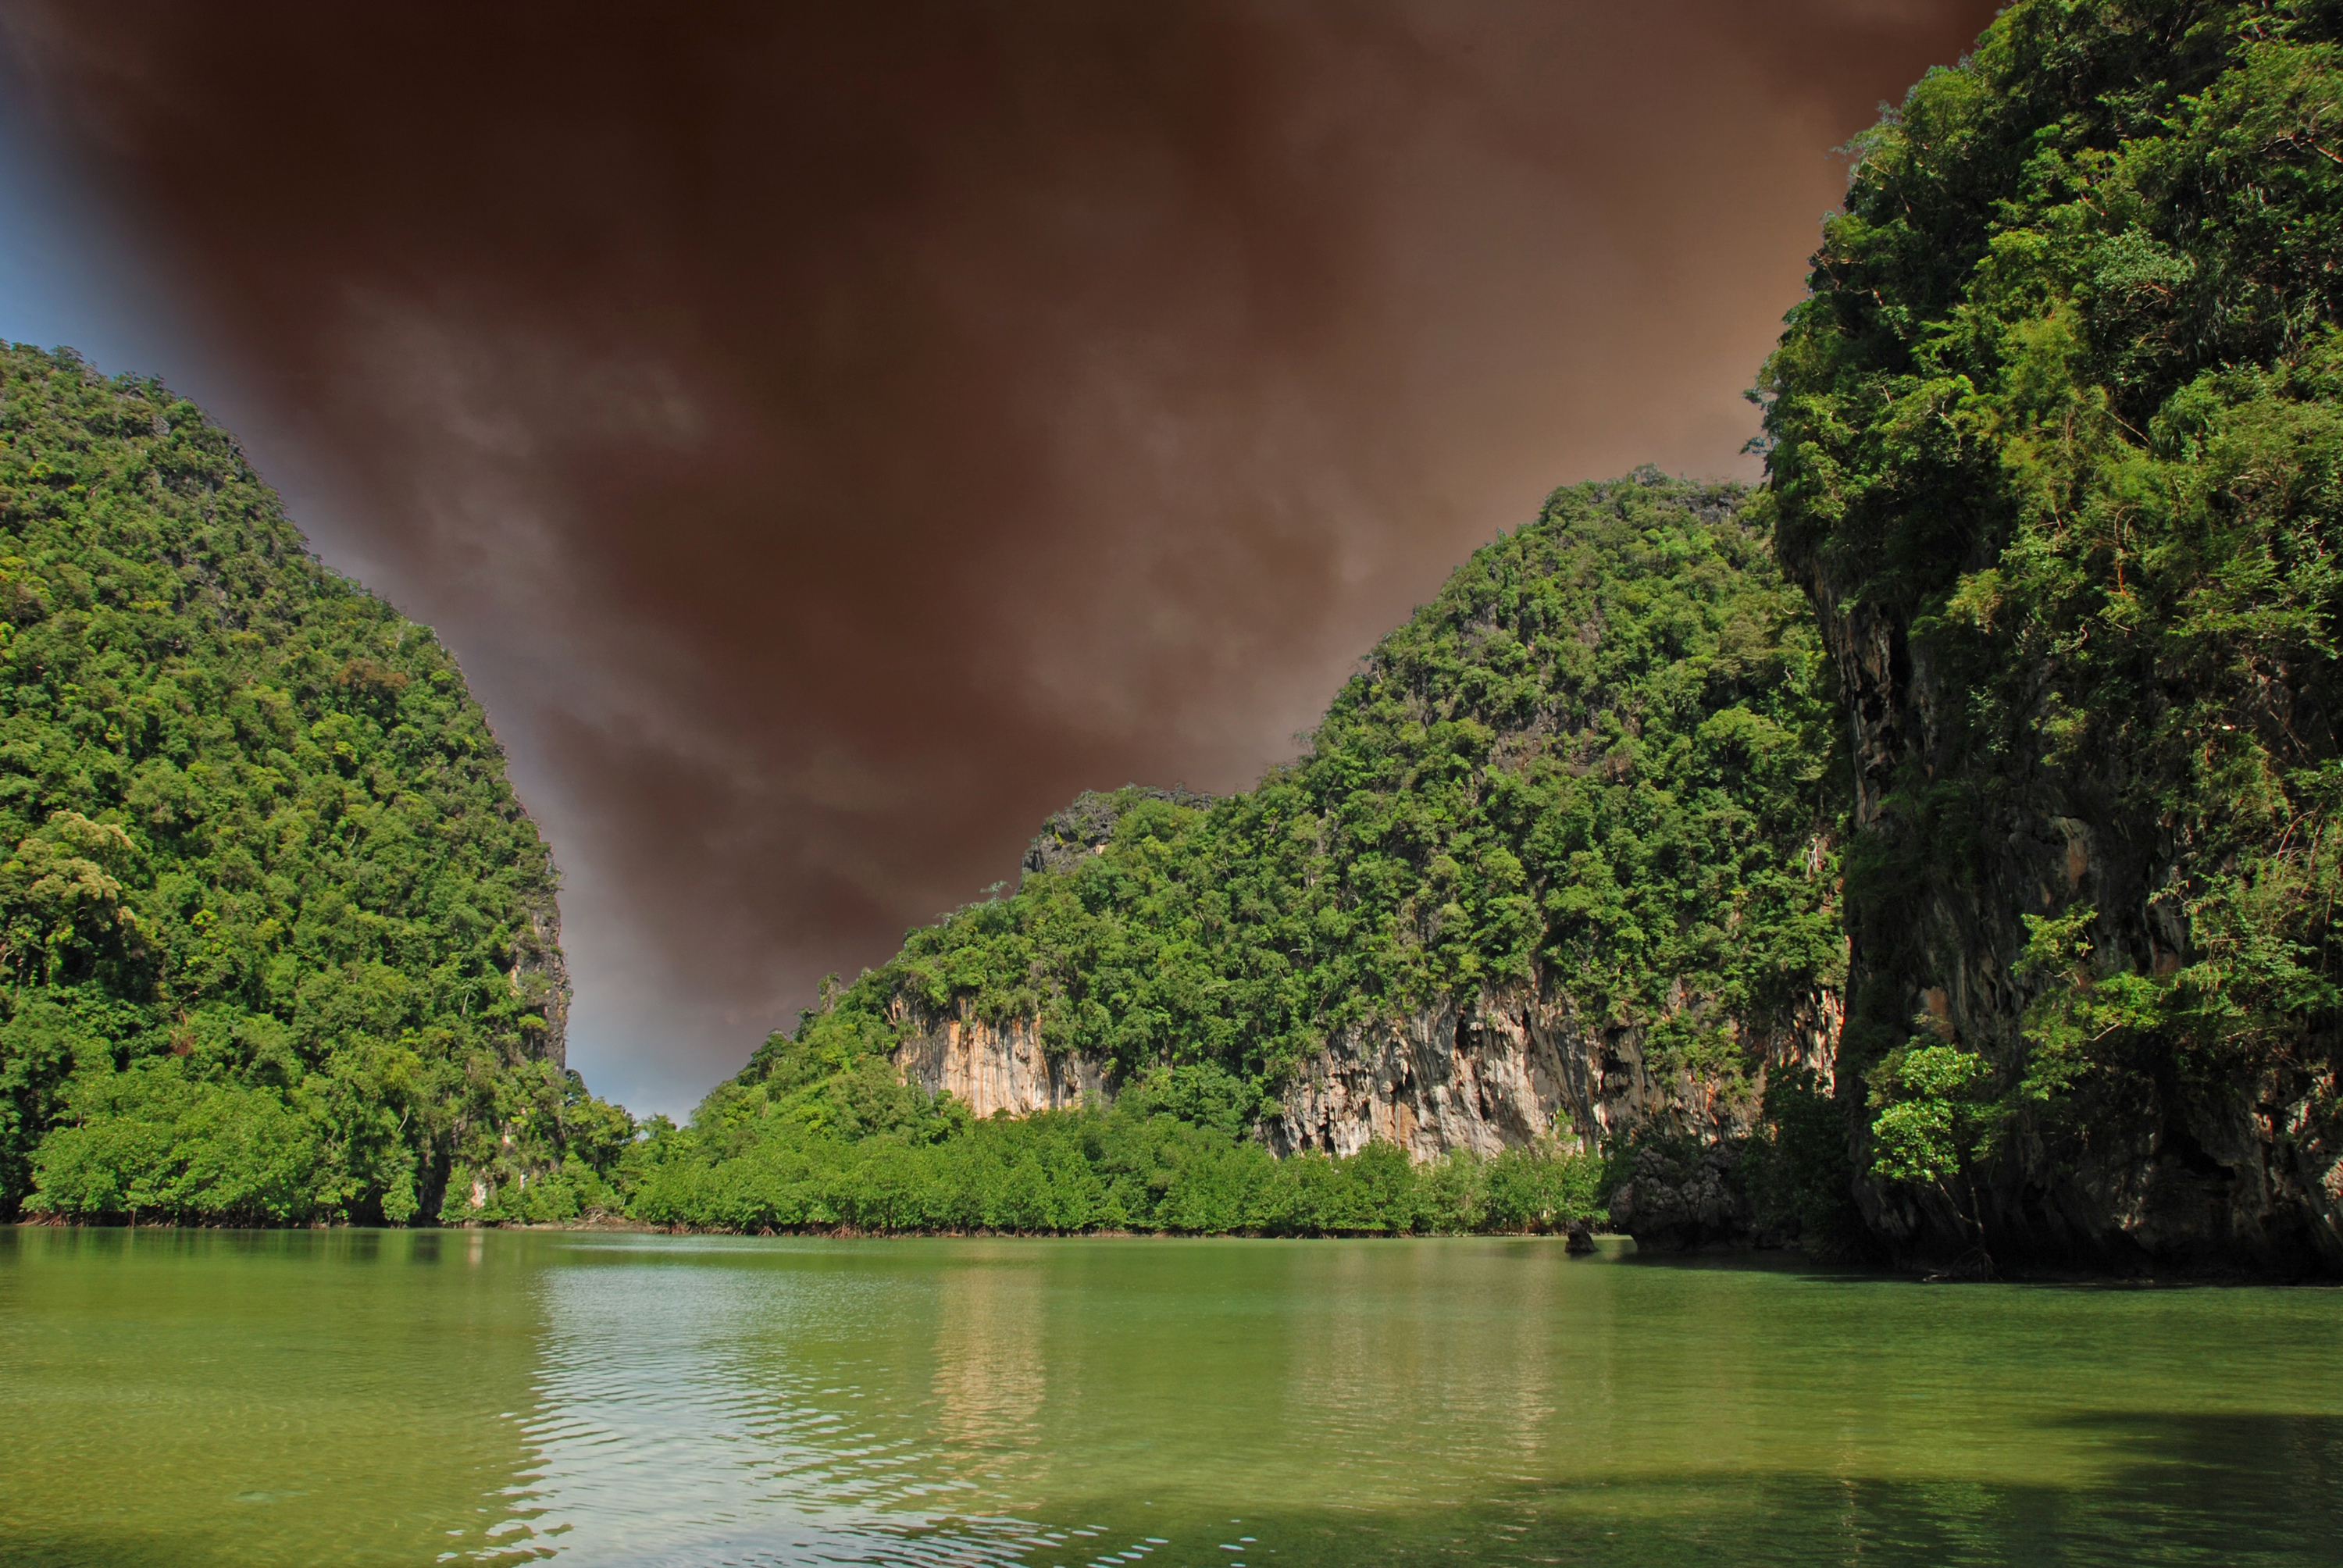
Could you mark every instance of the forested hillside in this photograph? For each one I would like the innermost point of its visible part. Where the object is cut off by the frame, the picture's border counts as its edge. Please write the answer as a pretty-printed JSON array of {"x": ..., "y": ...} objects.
[
  {"x": 1588, "y": 781},
  {"x": 276, "y": 941},
  {"x": 2057, "y": 451},
  {"x": 1598, "y": 752}
]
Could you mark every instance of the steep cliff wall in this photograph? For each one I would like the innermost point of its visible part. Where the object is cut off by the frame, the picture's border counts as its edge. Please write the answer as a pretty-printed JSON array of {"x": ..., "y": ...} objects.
[
  {"x": 2056, "y": 452},
  {"x": 2154, "y": 1161},
  {"x": 1507, "y": 1068},
  {"x": 541, "y": 975},
  {"x": 1496, "y": 1067}
]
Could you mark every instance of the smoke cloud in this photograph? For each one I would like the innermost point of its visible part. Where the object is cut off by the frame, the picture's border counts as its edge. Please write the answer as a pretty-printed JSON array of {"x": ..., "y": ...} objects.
[{"x": 831, "y": 436}]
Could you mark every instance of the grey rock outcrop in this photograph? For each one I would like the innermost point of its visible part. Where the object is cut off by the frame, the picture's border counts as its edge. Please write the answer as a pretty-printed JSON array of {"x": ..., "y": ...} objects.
[
  {"x": 1674, "y": 1200},
  {"x": 541, "y": 976},
  {"x": 1512, "y": 1065}
]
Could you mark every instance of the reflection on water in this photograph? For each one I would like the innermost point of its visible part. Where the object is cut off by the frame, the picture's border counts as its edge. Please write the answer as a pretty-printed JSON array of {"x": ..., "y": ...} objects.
[
  {"x": 190, "y": 1397},
  {"x": 386, "y": 1397},
  {"x": 699, "y": 1409},
  {"x": 987, "y": 1377}
]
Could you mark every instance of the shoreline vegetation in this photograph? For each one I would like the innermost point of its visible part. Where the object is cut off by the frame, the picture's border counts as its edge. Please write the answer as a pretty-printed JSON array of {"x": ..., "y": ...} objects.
[
  {"x": 1133, "y": 1167},
  {"x": 1067, "y": 1173}
]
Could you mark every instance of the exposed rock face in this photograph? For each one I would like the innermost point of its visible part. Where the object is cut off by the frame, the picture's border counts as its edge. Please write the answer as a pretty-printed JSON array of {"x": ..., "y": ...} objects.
[
  {"x": 990, "y": 1068},
  {"x": 1502, "y": 1069},
  {"x": 1512, "y": 1065},
  {"x": 2153, "y": 1174}
]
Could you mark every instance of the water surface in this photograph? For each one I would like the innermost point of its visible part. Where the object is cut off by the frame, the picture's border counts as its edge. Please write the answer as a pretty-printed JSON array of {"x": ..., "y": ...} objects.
[{"x": 388, "y": 1397}]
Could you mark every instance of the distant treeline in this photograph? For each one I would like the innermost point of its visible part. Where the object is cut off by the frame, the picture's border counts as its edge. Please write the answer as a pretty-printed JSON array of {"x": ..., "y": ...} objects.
[{"x": 1170, "y": 1155}]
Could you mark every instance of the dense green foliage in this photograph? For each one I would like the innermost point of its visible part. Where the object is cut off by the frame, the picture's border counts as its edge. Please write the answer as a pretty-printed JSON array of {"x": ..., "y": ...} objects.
[
  {"x": 1594, "y": 765},
  {"x": 2067, "y": 401},
  {"x": 1141, "y": 1165},
  {"x": 275, "y": 934}
]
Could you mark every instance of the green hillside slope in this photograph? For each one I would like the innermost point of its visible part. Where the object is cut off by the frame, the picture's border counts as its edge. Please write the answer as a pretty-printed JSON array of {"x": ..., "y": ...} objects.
[
  {"x": 1594, "y": 766},
  {"x": 277, "y": 942}
]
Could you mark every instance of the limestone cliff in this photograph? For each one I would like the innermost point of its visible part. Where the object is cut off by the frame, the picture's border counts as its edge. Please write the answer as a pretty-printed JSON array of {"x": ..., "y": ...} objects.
[
  {"x": 1481, "y": 1072},
  {"x": 2055, "y": 458},
  {"x": 1510, "y": 1066},
  {"x": 992, "y": 1067},
  {"x": 541, "y": 976},
  {"x": 2149, "y": 1169},
  {"x": 1500, "y": 1069}
]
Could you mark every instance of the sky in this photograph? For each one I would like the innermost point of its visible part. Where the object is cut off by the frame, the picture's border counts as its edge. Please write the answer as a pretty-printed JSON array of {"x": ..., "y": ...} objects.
[{"x": 831, "y": 436}]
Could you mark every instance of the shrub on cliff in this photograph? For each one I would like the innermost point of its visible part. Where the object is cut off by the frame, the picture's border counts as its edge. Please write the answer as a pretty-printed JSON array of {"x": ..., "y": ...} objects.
[{"x": 278, "y": 943}]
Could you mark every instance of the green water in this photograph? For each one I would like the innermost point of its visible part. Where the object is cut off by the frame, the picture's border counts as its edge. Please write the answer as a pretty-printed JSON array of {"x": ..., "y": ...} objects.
[{"x": 195, "y": 1398}]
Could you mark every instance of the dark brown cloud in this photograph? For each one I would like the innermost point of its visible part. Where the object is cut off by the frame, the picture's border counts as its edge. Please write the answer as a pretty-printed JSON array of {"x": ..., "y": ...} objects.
[{"x": 833, "y": 436}]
